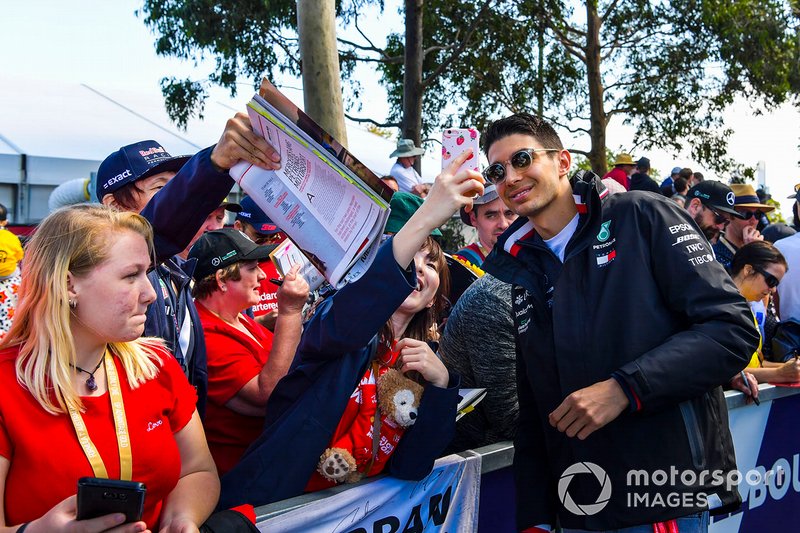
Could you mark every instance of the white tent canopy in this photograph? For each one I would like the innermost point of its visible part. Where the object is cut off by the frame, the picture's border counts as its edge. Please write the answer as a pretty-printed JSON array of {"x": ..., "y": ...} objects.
[{"x": 51, "y": 133}]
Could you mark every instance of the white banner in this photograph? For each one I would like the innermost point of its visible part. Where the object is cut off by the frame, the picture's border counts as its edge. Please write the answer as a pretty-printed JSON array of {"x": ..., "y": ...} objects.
[{"x": 446, "y": 500}]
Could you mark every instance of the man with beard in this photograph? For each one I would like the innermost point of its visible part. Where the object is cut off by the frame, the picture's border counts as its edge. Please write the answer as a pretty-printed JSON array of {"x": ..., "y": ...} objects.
[{"x": 710, "y": 204}]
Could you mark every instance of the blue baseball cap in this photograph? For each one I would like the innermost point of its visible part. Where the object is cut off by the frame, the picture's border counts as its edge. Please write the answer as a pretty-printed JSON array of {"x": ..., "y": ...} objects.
[
  {"x": 253, "y": 215},
  {"x": 134, "y": 162}
]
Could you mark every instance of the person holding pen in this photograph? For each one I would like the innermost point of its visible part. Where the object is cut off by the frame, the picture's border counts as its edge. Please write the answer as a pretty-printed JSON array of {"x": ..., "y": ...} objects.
[
  {"x": 245, "y": 359},
  {"x": 757, "y": 269}
]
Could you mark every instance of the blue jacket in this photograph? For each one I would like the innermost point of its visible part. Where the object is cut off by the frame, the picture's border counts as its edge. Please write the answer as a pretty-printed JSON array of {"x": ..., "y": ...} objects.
[
  {"x": 176, "y": 212},
  {"x": 307, "y": 404}
]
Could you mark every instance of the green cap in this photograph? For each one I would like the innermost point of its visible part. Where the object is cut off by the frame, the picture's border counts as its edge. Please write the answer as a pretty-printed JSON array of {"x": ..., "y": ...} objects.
[{"x": 403, "y": 205}]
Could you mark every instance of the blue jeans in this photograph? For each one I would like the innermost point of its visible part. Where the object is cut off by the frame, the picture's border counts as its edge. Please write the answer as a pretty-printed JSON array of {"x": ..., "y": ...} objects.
[{"x": 695, "y": 523}]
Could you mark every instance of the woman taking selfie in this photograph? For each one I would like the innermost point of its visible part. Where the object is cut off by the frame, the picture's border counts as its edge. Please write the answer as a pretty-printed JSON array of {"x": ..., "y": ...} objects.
[
  {"x": 379, "y": 321},
  {"x": 73, "y": 353}
]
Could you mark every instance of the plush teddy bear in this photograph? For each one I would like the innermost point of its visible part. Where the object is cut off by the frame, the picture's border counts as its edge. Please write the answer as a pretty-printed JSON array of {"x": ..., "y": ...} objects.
[{"x": 398, "y": 398}]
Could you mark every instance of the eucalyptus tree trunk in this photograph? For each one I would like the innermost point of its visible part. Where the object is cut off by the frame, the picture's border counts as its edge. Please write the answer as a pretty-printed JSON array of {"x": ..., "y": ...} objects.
[{"x": 322, "y": 89}]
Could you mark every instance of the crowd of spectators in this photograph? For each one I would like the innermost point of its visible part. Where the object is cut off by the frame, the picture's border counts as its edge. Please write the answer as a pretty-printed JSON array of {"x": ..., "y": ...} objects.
[{"x": 147, "y": 306}]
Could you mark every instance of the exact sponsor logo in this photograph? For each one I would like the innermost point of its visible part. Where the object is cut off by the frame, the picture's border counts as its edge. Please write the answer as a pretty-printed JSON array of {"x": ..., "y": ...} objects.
[
  {"x": 584, "y": 509},
  {"x": 117, "y": 178}
]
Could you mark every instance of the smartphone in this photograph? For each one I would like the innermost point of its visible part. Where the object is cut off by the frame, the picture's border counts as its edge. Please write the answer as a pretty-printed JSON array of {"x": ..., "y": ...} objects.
[
  {"x": 99, "y": 497},
  {"x": 455, "y": 141}
]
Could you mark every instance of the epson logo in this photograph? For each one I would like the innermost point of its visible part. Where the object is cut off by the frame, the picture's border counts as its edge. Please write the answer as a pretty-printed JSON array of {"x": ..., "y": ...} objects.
[{"x": 118, "y": 177}]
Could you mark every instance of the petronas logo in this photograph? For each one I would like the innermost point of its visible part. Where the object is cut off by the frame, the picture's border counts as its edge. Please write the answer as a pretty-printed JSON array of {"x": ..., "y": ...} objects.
[{"x": 605, "y": 233}]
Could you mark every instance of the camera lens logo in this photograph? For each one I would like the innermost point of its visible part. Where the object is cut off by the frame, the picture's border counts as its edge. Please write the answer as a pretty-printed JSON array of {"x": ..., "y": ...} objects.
[{"x": 584, "y": 509}]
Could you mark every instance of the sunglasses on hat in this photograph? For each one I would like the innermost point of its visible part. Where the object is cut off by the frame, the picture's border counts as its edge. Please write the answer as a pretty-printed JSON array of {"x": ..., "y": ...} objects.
[
  {"x": 496, "y": 172},
  {"x": 770, "y": 279}
]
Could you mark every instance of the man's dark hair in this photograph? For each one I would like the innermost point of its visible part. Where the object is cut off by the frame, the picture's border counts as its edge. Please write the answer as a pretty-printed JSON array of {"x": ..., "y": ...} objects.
[
  {"x": 698, "y": 177},
  {"x": 758, "y": 254},
  {"x": 524, "y": 124},
  {"x": 681, "y": 185},
  {"x": 3, "y": 213},
  {"x": 685, "y": 173}
]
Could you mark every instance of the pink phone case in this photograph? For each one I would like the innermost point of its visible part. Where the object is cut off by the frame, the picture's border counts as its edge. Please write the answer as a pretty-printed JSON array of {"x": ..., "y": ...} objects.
[{"x": 457, "y": 140}]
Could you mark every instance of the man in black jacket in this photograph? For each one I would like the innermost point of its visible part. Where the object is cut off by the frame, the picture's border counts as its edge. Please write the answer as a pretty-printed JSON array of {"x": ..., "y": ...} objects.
[
  {"x": 641, "y": 180},
  {"x": 625, "y": 328}
]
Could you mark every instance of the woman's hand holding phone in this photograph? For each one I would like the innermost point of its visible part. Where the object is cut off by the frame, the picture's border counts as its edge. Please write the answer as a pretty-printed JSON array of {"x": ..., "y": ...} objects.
[
  {"x": 63, "y": 517},
  {"x": 451, "y": 190}
]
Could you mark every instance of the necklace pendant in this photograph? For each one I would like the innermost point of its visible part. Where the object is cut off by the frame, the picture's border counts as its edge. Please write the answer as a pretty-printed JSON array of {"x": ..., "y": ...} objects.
[{"x": 91, "y": 384}]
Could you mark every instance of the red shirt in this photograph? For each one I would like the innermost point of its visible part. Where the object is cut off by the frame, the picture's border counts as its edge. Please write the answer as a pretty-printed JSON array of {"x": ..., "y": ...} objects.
[
  {"x": 269, "y": 291},
  {"x": 620, "y": 176},
  {"x": 354, "y": 431},
  {"x": 233, "y": 359},
  {"x": 47, "y": 460}
]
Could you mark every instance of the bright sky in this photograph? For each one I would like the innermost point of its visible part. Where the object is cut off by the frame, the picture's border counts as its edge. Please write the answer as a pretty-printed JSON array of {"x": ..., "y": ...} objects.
[{"x": 102, "y": 42}]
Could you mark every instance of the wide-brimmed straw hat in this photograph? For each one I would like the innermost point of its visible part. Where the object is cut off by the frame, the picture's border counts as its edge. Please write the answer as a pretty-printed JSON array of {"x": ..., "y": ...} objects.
[
  {"x": 624, "y": 159},
  {"x": 746, "y": 197}
]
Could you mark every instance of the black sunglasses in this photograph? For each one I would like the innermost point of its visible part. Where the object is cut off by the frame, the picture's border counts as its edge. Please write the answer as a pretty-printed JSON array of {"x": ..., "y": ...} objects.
[
  {"x": 747, "y": 215},
  {"x": 496, "y": 172},
  {"x": 770, "y": 279},
  {"x": 719, "y": 218}
]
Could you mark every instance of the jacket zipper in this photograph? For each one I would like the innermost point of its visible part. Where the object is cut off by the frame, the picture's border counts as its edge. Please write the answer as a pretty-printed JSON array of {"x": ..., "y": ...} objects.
[{"x": 693, "y": 432}]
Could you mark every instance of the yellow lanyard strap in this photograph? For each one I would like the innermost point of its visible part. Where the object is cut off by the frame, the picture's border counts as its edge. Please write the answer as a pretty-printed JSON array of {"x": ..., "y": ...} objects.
[{"x": 120, "y": 424}]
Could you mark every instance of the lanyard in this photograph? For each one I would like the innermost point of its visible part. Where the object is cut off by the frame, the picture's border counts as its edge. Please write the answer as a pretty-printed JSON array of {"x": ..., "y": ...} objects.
[{"x": 120, "y": 425}]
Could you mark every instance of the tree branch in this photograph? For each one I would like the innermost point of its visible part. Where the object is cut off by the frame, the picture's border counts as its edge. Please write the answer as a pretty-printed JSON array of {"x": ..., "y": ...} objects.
[
  {"x": 571, "y": 46},
  {"x": 563, "y": 23},
  {"x": 565, "y": 127},
  {"x": 355, "y": 23},
  {"x": 576, "y": 151},
  {"x": 608, "y": 11},
  {"x": 461, "y": 45},
  {"x": 279, "y": 40},
  {"x": 389, "y": 60},
  {"x": 619, "y": 111},
  {"x": 370, "y": 121}
]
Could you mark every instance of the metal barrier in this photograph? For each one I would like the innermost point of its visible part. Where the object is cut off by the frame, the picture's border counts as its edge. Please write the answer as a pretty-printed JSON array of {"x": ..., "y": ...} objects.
[{"x": 763, "y": 505}]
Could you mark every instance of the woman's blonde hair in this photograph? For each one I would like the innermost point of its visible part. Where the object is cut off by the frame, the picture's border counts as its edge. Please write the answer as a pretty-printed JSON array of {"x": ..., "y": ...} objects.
[{"x": 71, "y": 240}]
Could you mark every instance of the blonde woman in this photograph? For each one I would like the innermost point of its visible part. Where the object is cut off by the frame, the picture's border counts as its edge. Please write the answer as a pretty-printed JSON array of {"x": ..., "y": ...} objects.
[{"x": 73, "y": 350}]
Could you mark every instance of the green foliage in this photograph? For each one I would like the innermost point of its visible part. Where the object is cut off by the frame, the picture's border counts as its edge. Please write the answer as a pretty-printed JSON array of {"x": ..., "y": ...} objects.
[
  {"x": 668, "y": 69},
  {"x": 452, "y": 236},
  {"x": 246, "y": 38},
  {"x": 775, "y": 216}
]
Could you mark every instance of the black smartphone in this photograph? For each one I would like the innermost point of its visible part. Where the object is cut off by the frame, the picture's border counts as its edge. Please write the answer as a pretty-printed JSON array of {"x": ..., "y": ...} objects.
[{"x": 99, "y": 497}]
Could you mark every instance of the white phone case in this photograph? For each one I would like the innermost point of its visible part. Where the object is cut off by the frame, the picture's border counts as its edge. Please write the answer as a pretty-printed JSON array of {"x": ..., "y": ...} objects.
[{"x": 457, "y": 140}]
